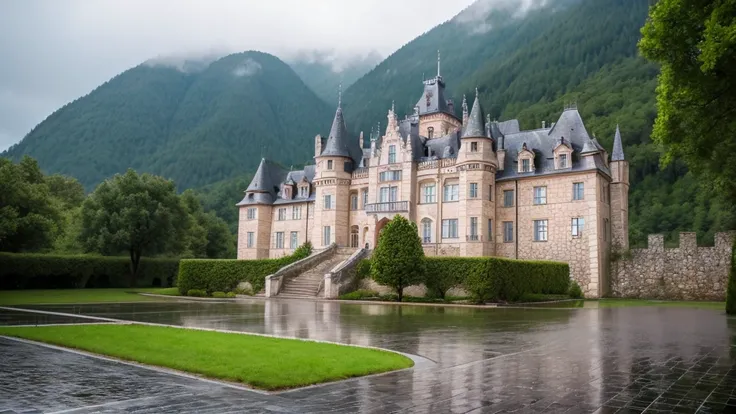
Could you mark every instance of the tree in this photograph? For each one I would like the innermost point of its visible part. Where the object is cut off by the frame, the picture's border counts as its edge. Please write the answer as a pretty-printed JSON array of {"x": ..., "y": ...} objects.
[
  {"x": 136, "y": 214},
  {"x": 731, "y": 290},
  {"x": 29, "y": 217},
  {"x": 67, "y": 190},
  {"x": 208, "y": 234},
  {"x": 398, "y": 260},
  {"x": 694, "y": 41}
]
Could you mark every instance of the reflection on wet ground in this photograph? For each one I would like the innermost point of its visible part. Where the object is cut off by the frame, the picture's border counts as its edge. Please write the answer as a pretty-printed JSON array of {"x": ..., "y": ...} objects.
[{"x": 488, "y": 360}]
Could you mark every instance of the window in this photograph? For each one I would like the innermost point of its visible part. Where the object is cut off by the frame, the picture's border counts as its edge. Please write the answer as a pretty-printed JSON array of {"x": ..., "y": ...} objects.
[
  {"x": 326, "y": 235},
  {"x": 473, "y": 147},
  {"x": 508, "y": 198},
  {"x": 490, "y": 193},
  {"x": 327, "y": 203},
  {"x": 388, "y": 194},
  {"x": 430, "y": 132},
  {"x": 279, "y": 240},
  {"x": 451, "y": 192},
  {"x": 428, "y": 195},
  {"x": 389, "y": 176},
  {"x": 365, "y": 197},
  {"x": 329, "y": 164},
  {"x": 287, "y": 193},
  {"x": 578, "y": 191},
  {"x": 473, "y": 228},
  {"x": 449, "y": 229},
  {"x": 473, "y": 190},
  {"x": 354, "y": 202},
  {"x": 563, "y": 160},
  {"x": 294, "y": 242},
  {"x": 251, "y": 239},
  {"x": 540, "y": 230},
  {"x": 490, "y": 230},
  {"x": 426, "y": 230},
  {"x": 391, "y": 154},
  {"x": 296, "y": 213},
  {"x": 304, "y": 191},
  {"x": 282, "y": 214},
  {"x": 251, "y": 214},
  {"x": 577, "y": 226},
  {"x": 526, "y": 165},
  {"x": 540, "y": 195},
  {"x": 508, "y": 231}
]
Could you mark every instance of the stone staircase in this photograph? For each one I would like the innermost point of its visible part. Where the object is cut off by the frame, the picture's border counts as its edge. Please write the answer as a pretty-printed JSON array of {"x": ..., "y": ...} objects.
[{"x": 307, "y": 284}]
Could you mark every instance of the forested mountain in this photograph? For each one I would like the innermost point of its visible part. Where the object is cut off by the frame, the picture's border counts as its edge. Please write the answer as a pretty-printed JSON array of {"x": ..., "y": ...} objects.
[
  {"x": 323, "y": 71},
  {"x": 528, "y": 64},
  {"x": 195, "y": 125}
]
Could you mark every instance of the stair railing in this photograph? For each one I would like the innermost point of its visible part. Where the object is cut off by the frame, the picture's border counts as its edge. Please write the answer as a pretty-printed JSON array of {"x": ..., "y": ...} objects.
[
  {"x": 337, "y": 279},
  {"x": 275, "y": 282}
]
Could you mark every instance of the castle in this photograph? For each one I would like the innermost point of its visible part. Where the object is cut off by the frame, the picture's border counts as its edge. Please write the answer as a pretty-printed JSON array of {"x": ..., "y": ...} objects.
[{"x": 474, "y": 188}]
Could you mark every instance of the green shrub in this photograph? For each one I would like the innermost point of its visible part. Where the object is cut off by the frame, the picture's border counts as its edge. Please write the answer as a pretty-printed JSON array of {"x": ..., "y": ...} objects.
[
  {"x": 516, "y": 277},
  {"x": 45, "y": 271},
  {"x": 363, "y": 269},
  {"x": 444, "y": 273},
  {"x": 242, "y": 291},
  {"x": 199, "y": 293},
  {"x": 230, "y": 295},
  {"x": 398, "y": 260},
  {"x": 219, "y": 295},
  {"x": 389, "y": 297},
  {"x": 731, "y": 290},
  {"x": 359, "y": 294},
  {"x": 223, "y": 275},
  {"x": 575, "y": 291}
]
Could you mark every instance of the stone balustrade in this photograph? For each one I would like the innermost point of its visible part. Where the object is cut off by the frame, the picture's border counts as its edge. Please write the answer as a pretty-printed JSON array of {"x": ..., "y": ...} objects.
[
  {"x": 342, "y": 278},
  {"x": 276, "y": 281}
]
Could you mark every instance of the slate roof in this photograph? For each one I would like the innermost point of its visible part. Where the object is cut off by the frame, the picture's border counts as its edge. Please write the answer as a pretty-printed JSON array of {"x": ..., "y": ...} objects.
[
  {"x": 618, "y": 147},
  {"x": 475, "y": 127},
  {"x": 265, "y": 187},
  {"x": 339, "y": 144},
  {"x": 433, "y": 99}
]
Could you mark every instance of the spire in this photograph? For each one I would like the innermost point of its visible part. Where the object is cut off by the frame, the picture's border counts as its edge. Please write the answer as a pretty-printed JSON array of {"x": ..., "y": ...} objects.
[
  {"x": 339, "y": 95},
  {"x": 475, "y": 127},
  {"x": 337, "y": 144},
  {"x": 618, "y": 148},
  {"x": 393, "y": 106},
  {"x": 438, "y": 63},
  {"x": 260, "y": 181}
]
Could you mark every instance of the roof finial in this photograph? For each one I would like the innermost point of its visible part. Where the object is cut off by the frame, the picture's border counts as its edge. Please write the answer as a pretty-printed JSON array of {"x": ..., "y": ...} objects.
[
  {"x": 339, "y": 95},
  {"x": 476, "y": 91},
  {"x": 438, "y": 63},
  {"x": 393, "y": 107}
]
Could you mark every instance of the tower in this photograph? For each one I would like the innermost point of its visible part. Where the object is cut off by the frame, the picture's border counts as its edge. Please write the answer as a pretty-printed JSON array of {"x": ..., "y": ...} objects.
[
  {"x": 476, "y": 164},
  {"x": 254, "y": 229},
  {"x": 619, "y": 195}
]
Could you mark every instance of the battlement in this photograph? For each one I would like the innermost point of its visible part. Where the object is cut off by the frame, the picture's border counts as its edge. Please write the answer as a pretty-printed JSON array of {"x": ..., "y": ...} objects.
[{"x": 688, "y": 242}]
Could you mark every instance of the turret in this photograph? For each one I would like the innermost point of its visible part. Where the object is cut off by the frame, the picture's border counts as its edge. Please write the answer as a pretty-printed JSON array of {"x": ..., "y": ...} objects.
[
  {"x": 619, "y": 195},
  {"x": 475, "y": 144}
]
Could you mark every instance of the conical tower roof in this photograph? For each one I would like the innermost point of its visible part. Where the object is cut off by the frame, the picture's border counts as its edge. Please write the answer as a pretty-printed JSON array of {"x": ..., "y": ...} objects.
[
  {"x": 475, "y": 127},
  {"x": 337, "y": 141},
  {"x": 618, "y": 147},
  {"x": 261, "y": 180}
]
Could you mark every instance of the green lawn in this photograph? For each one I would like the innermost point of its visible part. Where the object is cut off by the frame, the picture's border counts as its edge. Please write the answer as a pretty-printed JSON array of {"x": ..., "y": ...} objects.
[
  {"x": 618, "y": 303},
  {"x": 261, "y": 362},
  {"x": 29, "y": 297}
]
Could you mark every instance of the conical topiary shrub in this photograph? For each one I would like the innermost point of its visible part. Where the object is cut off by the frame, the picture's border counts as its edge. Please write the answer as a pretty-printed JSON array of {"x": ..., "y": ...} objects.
[{"x": 398, "y": 260}]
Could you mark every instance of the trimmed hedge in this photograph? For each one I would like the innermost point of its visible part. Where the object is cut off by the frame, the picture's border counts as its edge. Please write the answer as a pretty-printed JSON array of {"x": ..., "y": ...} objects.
[
  {"x": 45, "y": 271},
  {"x": 224, "y": 275}
]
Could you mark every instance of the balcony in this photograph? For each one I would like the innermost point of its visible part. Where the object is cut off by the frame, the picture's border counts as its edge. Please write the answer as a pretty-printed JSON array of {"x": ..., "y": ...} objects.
[
  {"x": 390, "y": 207},
  {"x": 360, "y": 173}
]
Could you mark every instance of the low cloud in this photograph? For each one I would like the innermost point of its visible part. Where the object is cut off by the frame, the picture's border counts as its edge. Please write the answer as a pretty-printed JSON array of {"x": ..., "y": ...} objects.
[
  {"x": 476, "y": 16},
  {"x": 248, "y": 67},
  {"x": 337, "y": 60},
  {"x": 187, "y": 62}
]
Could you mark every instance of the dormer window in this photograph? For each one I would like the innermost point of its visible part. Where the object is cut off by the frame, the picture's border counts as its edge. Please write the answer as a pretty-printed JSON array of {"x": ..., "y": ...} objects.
[
  {"x": 287, "y": 192},
  {"x": 563, "y": 154},
  {"x": 563, "y": 161},
  {"x": 304, "y": 191},
  {"x": 473, "y": 147},
  {"x": 329, "y": 164},
  {"x": 526, "y": 165},
  {"x": 525, "y": 160},
  {"x": 430, "y": 132}
]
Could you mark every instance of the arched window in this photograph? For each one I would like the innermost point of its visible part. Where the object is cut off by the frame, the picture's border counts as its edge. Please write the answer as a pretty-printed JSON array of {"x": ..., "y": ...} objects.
[
  {"x": 430, "y": 132},
  {"x": 354, "y": 237},
  {"x": 426, "y": 230}
]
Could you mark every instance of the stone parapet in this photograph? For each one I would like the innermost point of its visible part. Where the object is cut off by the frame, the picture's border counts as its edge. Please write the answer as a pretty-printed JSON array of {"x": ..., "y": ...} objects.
[
  {"x": 342, "y": 278},
  {"x": 687, "y": 272},
  {"x": 276, "y": 281}
]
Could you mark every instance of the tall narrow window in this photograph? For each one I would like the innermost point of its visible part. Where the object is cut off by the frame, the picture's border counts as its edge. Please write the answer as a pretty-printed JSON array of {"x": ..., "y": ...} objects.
[
  {"x": 449, "y": 229},
  {"x": 393, "y": 194},
  {"x": 282, "y": 214},
  {"x": 473, "y": 190},
  {"x": 391, "y": 154},
  {"x": 578, "y": 191},
  {"x": 252, "y": 214},
  {"x": 354, "y": 202},
  {"x": 540, "y": 195},
  {"x": 490, "y": 193},
  {"x": 508, "y": 198},
  {"x": 508, "y": 231},
  {"x": 563, "y": 160},
  {"x": 251, "y": 239},
  {"x": 279, "y": 243},
  {"x": 578, "y": 223},
  {"x": 294, "y": 242},
  {"x": 428, "y": 193},
  {"x": 365, "y": 197},
  {"x": 327, "y": 203},
  {"x": 430, "y": 132},
  {"x": 540, "y": 230},
  {"x": 329, "y": 164},
  {"x": 451, "y": 192},
  {"x": 426, "y": 230},
  {"x": 526, "y": 165},
  {"x": 326, "y": 234},
  {"x": 473, "y": 147},
  {"x": 296, "y": 213},
  {"x": 473, "y": 229},
  {"x": 490, "y": 230}
]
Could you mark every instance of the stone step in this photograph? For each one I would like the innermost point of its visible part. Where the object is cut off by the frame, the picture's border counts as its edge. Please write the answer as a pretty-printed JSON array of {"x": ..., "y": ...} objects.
[{"x": 308, "y": 292}]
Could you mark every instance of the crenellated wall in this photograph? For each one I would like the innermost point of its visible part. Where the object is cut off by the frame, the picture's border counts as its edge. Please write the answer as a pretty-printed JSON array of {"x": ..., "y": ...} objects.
[{"x": 686, "y": 272}]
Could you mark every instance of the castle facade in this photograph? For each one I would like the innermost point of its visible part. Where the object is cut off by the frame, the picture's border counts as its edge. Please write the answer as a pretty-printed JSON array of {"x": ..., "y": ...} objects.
[{"x": 473, "y": 187}]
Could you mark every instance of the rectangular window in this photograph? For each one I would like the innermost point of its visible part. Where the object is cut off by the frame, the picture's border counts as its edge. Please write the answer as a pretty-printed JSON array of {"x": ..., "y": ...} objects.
[
  {"x": 279, "y": 244},
  {"x": 251, "y": 214},
  {"x": 473, "y": 147},
  {"x": 327, "y": 203},
  {"x": 473, "y": 190},
  {"x": 251, "y": 239},
  {"x": 294, "y": 242},
  {"x": 451, "y": 192},
  {"x": 490, "y": 193},
  {"x": 426, "y": 231},
  {"x": 365, "y": 197},
  {"x": 526, "y": 165},
  {"x": 540, "y": 195},
  {"x": 578, "y": 224},
  {"x": 490, "y": 230},
  {"x": 326, "y": 234},
  {"x": 329, "y": 164},
  {"x": 540, "y": 230},
  {"x": 508, "y": 231},
  {"x": 473, "y": 228},
  {"x": 578, "y": 191},
  {"x": 391, "y": 154},
  {"x": 282, "y": 214},
  {"x": 296, "y": 213},
  {"x": 449, "y": 229},
  {"x": 508, "y": 198},
  {"x": 428, "y": 193},
  {"x": 389, "y": 176},
  {"x": 304, "y": 191},
  {"x": 354, "y": 202},
  {"x": 563, "y": 160},
  {"x": 388, "y": 194}
]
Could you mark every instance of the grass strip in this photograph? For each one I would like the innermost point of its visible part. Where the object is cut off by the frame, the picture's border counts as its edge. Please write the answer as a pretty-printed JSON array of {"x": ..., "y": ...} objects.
[
  {"x": 621, "y": 303},
  {"x": 261, "y": 362},
  {"x": 30, "y": 297}
]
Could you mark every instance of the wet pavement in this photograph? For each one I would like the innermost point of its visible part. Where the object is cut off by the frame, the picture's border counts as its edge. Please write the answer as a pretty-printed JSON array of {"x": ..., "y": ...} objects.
[{"x": 624, "y": 360}]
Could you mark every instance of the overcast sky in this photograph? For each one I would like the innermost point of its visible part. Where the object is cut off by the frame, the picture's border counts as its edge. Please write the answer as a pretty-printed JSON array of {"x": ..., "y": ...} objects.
[{"x": 52, "y": 52}]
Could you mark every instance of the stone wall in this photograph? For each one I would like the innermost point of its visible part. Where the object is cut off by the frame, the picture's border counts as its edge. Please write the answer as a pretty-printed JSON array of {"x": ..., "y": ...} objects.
[{"x": 687, "y": 272}]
